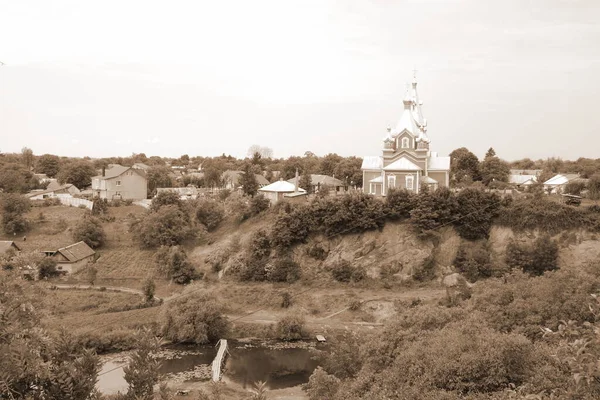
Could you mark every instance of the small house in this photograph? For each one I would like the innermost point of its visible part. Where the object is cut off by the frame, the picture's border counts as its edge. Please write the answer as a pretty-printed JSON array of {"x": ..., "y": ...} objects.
[
  {"x": 557, "y": 183},
  {"x": 72, "y": 258},
  {"x": 53, "y": 190},
  {"x": 318, "y": 181},
  {"x": 232, "y": 179},
  {"x": 280, "y": 190},
  {"x": 7, "y": 246}
]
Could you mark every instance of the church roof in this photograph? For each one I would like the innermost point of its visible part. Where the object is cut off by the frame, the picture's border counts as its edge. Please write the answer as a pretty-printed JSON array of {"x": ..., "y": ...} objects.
[
  {"x": 372, "y": 162},
  {"x": 379, "y": 179},
  {"x": 427, "y": 179},
  {"x": 402, "y": 164},
  {"x": 407, "y": 121},
  {"x": 435, "y": 163}
]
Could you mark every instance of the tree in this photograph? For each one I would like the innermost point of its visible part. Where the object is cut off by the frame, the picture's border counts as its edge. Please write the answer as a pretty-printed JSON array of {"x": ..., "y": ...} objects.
[
  {"x": 329, "y": 163},
  {"x": 78, "y": 173},
  {"x": 265, "y": 152},
  {"x": 148, "y": 287},
  {"x": 305, "y": 182},
  {"x": 534, "y": 259},
  {"x": 494, "y": 169},
  {"x": 490, "y": 153},
  {"x": 89, "y": 230},
  {"x": 141, "y": 373},
  {"x": 168, "y": 226},
  {"x": 173, "y": 263},
  {"x": 194, "y": 318},
  {"x": 14, "y": 207},
  {"x": 321, "y": 385},
  {"x": 166, "y": 198},
  {"x": 15, "y": 178},
  {"x": 48, "y": 164},
  {"x": 248, "y": 181},
  {"x": 158, "y": 176},
  {"x": 27, "y": 157},
  {"x": 210, "y": 213},
  {"x": 476, "y": 211},
  {"x": 464, "y": 166},
  {"x": 399, "y": 204},
  {"x": 349, "y": 171},
  {"x": 594, "y": 187},
  {"x": 47, "y": 268}
]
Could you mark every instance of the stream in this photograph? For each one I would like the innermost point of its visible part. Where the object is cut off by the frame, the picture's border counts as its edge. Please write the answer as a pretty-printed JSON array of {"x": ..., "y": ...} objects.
[{"x": 281, "y": 365}]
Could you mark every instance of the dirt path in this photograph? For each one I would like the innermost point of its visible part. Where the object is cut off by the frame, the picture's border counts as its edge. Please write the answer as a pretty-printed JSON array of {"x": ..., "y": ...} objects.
[{"x": 121, "y": 289}]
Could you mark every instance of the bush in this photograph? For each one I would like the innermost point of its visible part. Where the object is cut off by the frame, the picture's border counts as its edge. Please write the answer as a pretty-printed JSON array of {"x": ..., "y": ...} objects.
[
  {"x": 321, "y": 385},
  {"x": 14, "y": 207},
  {"x": 258, "y": 204},
  {"x": 284, "y": 270},
  {"x": 194, "y": 318},
  {"x": 536, "y": 259},
  {"x": 433, "y": 210},
  {"x": 286, "y": 300},
  {"x": 89, "y": 230},
  {"x": 47, "y": 268},
  {"x": 538, "y": 213},
  {"x": 475, "y": 212},
  {"x": 575, "y": 187},
  {"x": 474, "y": 261},
  {"x": 148, "y": 287},
  {"x": 165, "y": 198},
  {"x": 399, "y": 204},
  {"x": 168, "y": 226},
  {"x": 173, "y": 263},
  {"x": 342, "y": 271},
  {"x": 317, "y": 251},
  {"x": 291, "y": 327},
  {"x": 210, "y": 213}
]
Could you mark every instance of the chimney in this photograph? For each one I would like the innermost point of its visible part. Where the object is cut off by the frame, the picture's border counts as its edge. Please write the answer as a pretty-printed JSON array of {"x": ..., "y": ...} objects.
[
  {"x": 103, "y": 171},
  {"x": 296, "y": 182}
]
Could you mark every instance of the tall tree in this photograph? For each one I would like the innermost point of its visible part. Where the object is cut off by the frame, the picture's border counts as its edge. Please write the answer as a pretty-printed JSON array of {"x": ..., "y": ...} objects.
[
  {"x": 78, "y": 173},
  {"x": 490, "y": 153},
  {"x": 27, "y": 157},
  {"x": 493, "y": 169},
  {"x": 329, "y": 162},
  {"x": 15, "y": 178},
  {"x": 464, "y": 166},
  {"x": 305, "y": 182},
  {"x": 158, "y": 176},
  {"x": 248, "y": 181},
  {"x": 48, "y": 164}
]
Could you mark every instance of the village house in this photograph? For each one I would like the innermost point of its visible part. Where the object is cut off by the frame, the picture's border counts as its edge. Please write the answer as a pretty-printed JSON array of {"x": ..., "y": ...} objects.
[
  {"x": 8, "y": 245},
  {"x": 318, "y": 181},
  {"x": 523, "y": 177},
  {"x": 232, "y": 179},
  {"x": 119, "y": 182},
  {"x": 558, "y": 182},
  {"x": 54, "y": 189},
  {"x": 406, "y": 162},
  {"x": 281, "y": 190},
  {"x": 72, "y": 258}
]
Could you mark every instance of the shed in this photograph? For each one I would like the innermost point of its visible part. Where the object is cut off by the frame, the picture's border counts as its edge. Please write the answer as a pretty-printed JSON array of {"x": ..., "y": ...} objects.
[{"x": 73, "y": 257}]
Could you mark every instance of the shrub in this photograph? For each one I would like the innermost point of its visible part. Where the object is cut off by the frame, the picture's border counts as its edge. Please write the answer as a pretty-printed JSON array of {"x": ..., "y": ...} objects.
[
  {"x": 473, "y": 261},
  {"x": 286, "y": 300},
  {"x": 433, "y": 210},
  {"x": 291, "y": 327},
  {"x": 148, "y": 288},
  {"x": 47, "y": 268},
  {"x": 210, "y": 213},
  {"x": 399, "y": 204},
  {"x": 14, "y": 207},
  {"x": 260, "y": 244},
  {"x": 539, "y": 213},
  {"x": 342, "y": 271},
  {"x": 89, "y": 230},
  {"x": 284, "y": 270},
  {"x": 426, "y": 271},
  {"x": 475, "y": 212},
  {"x": 536, "y": 259},
  {"x": 168, "y": 226},
  {"x": 317, "y": 251},
  {"x": 574, "y": 187},
  {"x": 322, "y": 385},
  {"x": 292, "y": 227},
  {"x": 194, "y": 318},
  {"x": 594, "y": 208},
  {"x": 173, "y": 263},
  {"x": 166, "y": 198},
  {"x": 258, "y": 204}
]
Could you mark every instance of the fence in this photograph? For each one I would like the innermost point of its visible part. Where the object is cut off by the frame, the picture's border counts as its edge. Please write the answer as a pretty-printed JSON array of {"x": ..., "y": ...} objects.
[{"x": 75, "y": 202}]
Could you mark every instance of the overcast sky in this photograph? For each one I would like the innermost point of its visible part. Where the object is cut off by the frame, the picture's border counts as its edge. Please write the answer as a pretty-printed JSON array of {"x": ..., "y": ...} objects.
[{"x": 115, "y": 77}]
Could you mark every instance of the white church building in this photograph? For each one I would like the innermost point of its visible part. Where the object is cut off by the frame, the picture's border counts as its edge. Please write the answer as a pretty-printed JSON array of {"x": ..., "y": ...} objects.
[{"x": 406, "y": 161}]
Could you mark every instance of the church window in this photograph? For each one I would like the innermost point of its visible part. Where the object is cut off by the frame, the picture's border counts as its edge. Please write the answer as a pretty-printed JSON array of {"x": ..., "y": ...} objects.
[
  {"x": 405, "y": 143},
  {"x": 410, "y": 181},
  {"x": 391, "y": 182}
]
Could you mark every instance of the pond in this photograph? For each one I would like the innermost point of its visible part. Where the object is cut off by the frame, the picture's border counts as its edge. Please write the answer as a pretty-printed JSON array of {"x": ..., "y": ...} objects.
[{"x": 280, "y": 365}]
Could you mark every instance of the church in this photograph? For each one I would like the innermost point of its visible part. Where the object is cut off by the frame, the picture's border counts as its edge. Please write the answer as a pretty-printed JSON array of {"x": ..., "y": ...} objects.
[{"x": 406, "y": 161}]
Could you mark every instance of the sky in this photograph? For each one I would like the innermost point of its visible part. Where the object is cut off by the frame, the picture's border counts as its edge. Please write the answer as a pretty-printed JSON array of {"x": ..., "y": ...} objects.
[{"x": 116, "y": 77}]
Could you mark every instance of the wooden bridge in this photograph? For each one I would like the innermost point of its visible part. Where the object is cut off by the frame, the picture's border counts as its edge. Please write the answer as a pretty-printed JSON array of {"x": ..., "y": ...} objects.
[{"x": 219, "y": 359}]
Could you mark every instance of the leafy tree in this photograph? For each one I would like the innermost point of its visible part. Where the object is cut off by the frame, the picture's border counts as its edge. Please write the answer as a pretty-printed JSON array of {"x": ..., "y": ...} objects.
[
  {"x": 284, "y": 270},
  {"x": 305, "y": 182},
  {"x": 89, "y": 230},
  {"x": 148, "y": 287},
  {"x": 15, "y": 178},
  {"x": 27, "y": 157},
  {"x": 78, "y": 173},
  {"x": 173, "y": 263},
  {"x": 594, "y": 187},
  {"x": 433, "y": 210},
  {"x": 575, "y": 187},
  {"x": 210, "y": 213},
  {"x": 464, "y": 166},
  {"x": 473, "y": 261},
  {"x": 493, "y": 169},
  {"x": 322, "y": 385},
  {"x": 258, "y": 204},
  {"x": 47, "y": 268},
  {"x": 476, "y": 211},
  {"x": 194, "y": 318},
  {"x": 349, "y": 171},
  {"x": 399, "y": 204},
  {"x": 14, "y": 207},
  {"x": 535, "y": 259},
  {"x": 212, "y": 177},
  {"x": 329, "y": 163},
  {"x": 168, "y": 226},
  {"x": 141, "y": 373},
  {"x": 48, "y": 164},
  {"x": 248, "y": 181},
  {"x": 158, "y": 176}
]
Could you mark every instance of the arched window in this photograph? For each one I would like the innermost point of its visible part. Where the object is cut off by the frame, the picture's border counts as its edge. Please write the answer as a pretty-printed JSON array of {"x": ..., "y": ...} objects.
[
  {"x": 391, "y": 182},
  {"x": 405, "y": 143},
  {"x": 410, "y": 182}
]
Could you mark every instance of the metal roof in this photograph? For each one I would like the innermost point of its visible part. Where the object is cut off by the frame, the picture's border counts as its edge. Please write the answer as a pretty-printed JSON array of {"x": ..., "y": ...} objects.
[
  {"x": 372, "y": 162},
  {"x": 112, "y": 172},
  {"x": 435, "y": 163},
  {"x": 402, "y": 164},
  {"x": 561, "y": 179},
  {"x": 281, "y": 187},
  {"x": 77, "y": 251},
  {"x": 7, "y": 244},
  {"x": 316, "y": 179}
]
